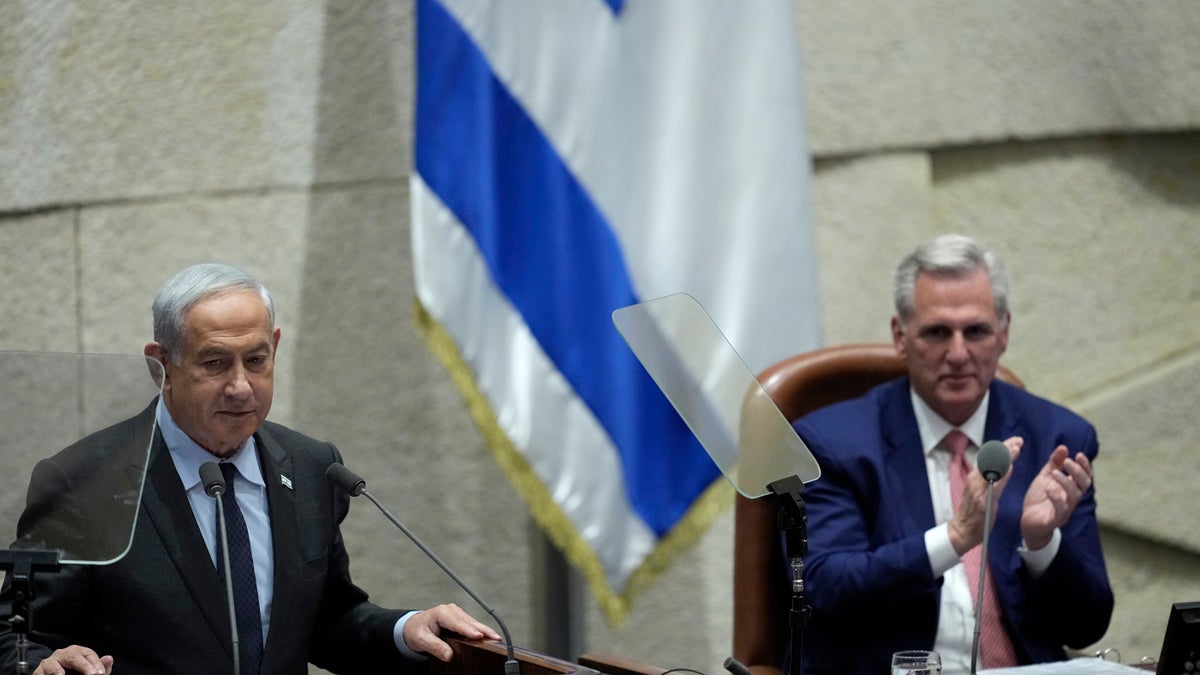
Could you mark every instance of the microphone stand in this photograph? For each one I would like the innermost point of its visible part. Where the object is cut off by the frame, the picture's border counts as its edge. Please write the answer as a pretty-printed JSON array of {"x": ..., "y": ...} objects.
[
  {"x": 22, "y": 564},
  {"x": 511, "y": 666},
  {"x": 347, "y": 480},
  {"x": 214, "y": 486},
  {"x": 233, "y": 629},
  {"x": 793, "y": 524},
  {"x": 983, "y": 566}
]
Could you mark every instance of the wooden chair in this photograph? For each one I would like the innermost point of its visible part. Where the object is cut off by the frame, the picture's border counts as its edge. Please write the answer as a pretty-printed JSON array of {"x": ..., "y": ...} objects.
[{"x": 798, "y": 385}]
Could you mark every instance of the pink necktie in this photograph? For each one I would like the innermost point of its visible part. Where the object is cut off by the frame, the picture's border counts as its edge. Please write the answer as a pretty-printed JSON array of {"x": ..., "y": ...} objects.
[{"x": 995, "y": 647}]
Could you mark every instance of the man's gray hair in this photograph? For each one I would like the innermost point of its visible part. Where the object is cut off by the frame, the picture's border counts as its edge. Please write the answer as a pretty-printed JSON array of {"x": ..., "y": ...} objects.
[
  {"x": 953, "y": 256},
  {"x": 188, "y": 287}
]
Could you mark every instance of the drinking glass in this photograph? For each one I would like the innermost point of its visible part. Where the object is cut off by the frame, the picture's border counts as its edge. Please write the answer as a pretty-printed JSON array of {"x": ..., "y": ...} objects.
[{"x": 916, "y": 662}]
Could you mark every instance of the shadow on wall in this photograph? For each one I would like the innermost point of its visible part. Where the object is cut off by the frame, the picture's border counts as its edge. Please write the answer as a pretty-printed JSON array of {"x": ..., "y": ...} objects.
[
  {"x": 1147, "y": 578},
  {"x": 1166, "y": 165}
]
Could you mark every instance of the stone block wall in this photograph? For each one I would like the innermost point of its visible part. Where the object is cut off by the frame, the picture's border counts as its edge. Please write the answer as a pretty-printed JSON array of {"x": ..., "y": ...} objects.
[{"x": 139, "y": 137}]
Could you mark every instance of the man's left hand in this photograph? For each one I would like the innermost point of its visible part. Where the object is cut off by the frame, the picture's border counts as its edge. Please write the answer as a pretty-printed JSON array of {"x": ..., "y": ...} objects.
[
  {"x": 422, "y": 631},
  {"x": 1053, "y": 496}
]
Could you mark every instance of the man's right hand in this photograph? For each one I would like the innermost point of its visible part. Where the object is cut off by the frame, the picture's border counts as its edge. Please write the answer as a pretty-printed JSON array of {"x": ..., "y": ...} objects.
[
  {"x": 966, "y": 526},
  {"x": 75, "y": 659}
]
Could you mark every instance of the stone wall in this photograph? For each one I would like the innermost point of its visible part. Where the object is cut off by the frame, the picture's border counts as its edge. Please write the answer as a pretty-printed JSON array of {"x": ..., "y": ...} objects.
[{"x": 139, "y": 137}]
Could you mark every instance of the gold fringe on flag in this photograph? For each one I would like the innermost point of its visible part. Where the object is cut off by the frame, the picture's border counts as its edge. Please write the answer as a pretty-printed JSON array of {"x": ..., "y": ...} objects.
[{"x": 615, "y": 604}]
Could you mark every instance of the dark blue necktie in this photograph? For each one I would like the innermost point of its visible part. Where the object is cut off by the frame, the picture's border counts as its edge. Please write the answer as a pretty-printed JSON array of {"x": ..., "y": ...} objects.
[{"x": 245, "y": 588}]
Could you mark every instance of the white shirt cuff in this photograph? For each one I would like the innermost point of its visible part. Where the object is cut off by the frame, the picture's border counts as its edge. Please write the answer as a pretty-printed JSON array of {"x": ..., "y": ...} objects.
[
  {"x": 1037, "y": 562},
  {"x": 398, "y": 636},
  {"x": 941, "y": 552}
]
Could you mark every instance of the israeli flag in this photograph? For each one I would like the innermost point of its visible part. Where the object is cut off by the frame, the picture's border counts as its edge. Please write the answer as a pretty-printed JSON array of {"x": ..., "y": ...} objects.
[{"x": 577, "y": 156}]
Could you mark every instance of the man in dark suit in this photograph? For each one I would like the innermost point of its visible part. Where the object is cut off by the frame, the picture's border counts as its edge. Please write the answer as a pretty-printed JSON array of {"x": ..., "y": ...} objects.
[
  {"x": 890, "y": 543},
  {"x": 162, "y": 607}
]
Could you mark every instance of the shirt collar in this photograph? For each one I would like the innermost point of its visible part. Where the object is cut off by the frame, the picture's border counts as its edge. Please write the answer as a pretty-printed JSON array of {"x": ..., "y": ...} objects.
[
  {"x": 188, "y": 455},
  {"x": 933, "y": 427}
]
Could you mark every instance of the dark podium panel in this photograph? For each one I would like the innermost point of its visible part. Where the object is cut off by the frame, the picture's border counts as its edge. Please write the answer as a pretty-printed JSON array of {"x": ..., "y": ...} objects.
[{"x": 472, "y": 657}]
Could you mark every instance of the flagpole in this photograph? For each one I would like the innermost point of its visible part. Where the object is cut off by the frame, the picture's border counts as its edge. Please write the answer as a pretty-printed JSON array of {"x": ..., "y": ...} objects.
[{"x": 558, "y": 601}]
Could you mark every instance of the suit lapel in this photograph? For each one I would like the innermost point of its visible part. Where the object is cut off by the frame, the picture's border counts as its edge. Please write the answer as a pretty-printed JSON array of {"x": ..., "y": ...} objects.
[
  {"x": 904, "y": 460},
  {"x": 1001, "y": 420},
  {"x": 276, "y": 464},
  {"x": 170, "y": 514}
]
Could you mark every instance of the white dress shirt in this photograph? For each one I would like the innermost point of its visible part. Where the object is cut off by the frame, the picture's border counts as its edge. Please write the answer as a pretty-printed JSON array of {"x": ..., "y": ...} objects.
[{"x": 956, "y": 614}]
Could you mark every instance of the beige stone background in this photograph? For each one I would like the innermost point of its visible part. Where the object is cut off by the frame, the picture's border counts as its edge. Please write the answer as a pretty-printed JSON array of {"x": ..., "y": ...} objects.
[{"x": 137, "y": 137}]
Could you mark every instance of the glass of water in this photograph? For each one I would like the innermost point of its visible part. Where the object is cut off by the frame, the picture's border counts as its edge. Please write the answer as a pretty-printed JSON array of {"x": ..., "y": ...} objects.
[{"x": 916, "y": 662}]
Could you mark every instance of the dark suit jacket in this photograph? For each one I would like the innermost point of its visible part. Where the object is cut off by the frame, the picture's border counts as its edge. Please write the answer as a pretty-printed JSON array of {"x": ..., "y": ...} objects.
[
  {"x": 867, "y": 574},
  {"x": 162, "y": 608}
]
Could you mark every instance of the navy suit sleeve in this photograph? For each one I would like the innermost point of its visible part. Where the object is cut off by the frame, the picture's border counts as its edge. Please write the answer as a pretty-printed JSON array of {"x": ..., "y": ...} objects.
[
  {"x": 860, "y": 553},
  {"x": 1072, "y": 602},
  {"x": 349, "y": 633},
  {"x": 867, "y": 574}
]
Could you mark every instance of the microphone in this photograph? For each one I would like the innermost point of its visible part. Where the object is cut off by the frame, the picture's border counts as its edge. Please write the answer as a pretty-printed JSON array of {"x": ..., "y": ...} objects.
[
  {"x": 993, "y": 461},
  {"x": 350, "y": 483},
  {"x": 214, "y": 486},
  {"x": 736, "y": 667},
  {"x": 213, "y": 479}
]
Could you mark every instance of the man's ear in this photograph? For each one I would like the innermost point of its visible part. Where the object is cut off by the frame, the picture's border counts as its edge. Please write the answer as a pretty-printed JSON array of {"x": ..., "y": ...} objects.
[
  {"x": 1003, "y": 335},
  {"x": 898, "y": 336},
  {"x": 155, "y": 352}
]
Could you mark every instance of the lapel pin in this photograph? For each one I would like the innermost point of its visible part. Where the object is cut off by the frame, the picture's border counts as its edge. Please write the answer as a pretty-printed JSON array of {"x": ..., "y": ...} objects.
[{"x": 287, "y": 482}]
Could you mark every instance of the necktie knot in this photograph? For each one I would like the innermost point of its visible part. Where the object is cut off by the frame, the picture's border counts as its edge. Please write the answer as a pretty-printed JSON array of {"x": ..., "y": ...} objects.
[
  {"x": 956, "y": 443},
  {"x": 228, "y": 470}
]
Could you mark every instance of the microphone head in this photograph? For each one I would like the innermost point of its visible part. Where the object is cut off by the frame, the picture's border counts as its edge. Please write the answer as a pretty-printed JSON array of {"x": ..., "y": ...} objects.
[
  {"x": 736, "y": 667},
  {"x": 993, "y": 460},
  {"x": 345, "y": 479},
  {"x": 212, "y": 479}
]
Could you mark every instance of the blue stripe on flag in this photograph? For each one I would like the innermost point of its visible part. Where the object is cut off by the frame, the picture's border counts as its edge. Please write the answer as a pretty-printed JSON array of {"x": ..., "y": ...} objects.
[{"x": 553, "y": 255}]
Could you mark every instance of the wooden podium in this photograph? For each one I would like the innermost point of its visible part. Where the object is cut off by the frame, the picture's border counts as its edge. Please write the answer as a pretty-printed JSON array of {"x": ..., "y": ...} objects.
[
  {"x": 472, "y": 657},
  {"x": 619, "y": 665}
]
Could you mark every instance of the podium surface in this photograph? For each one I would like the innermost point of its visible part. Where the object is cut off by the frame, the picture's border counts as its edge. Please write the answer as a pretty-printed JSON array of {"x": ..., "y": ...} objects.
[{"x": 473, "y": 657}]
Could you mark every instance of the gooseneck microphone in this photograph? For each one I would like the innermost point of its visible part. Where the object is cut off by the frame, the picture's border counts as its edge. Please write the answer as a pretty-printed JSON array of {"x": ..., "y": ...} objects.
[
  {"x": 349, "y": 482},
  {"x": 736, "y": 667},
  {"x": 214, "y": 486},
  {"x": 993, "y": 461}
]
